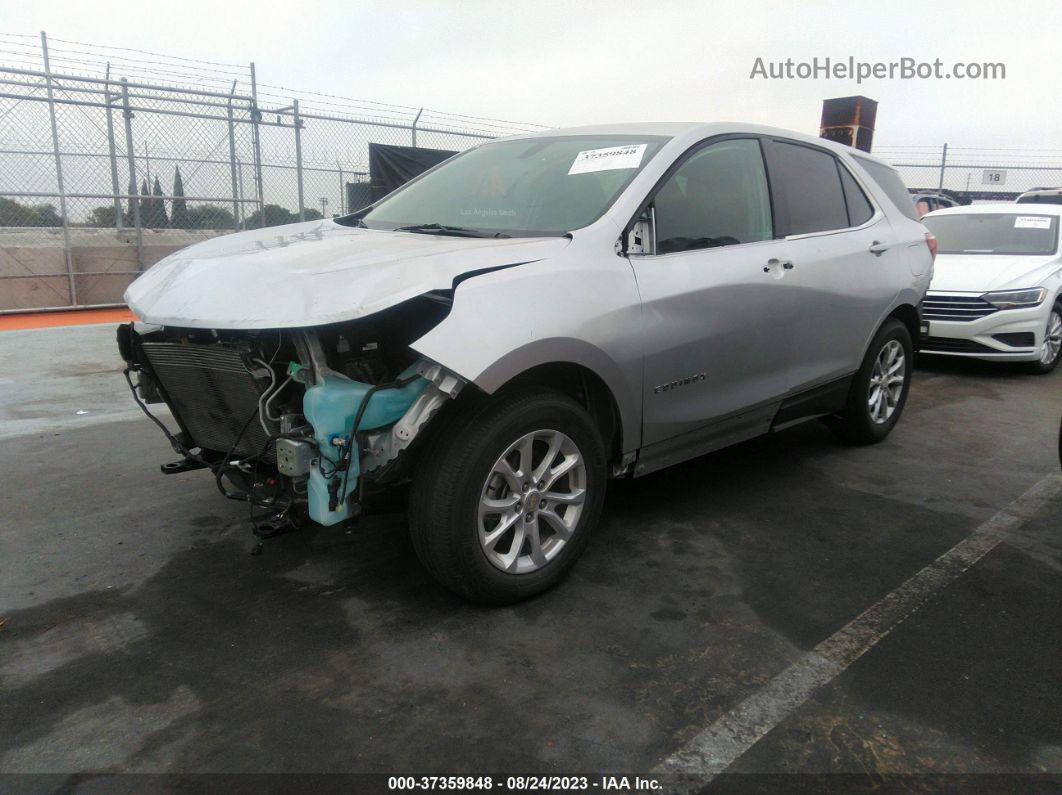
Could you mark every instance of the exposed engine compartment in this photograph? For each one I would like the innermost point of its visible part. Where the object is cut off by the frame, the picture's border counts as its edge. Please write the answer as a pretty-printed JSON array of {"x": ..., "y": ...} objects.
[{"x": 288, "y": 419}]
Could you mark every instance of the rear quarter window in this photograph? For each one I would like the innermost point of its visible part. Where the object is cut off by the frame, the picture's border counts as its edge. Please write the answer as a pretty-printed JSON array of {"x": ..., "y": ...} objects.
[
  {"x": 860, "y": 209},
  {"x": 889, "y": 181}
]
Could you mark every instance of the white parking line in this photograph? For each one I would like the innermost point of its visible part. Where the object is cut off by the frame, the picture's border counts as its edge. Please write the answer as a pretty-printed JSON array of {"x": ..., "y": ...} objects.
[{"x": 715, "y": 748}]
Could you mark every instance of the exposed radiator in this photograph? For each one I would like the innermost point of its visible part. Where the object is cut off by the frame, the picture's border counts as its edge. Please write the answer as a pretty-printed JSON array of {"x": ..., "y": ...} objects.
[{"x": 213, "y": 393}]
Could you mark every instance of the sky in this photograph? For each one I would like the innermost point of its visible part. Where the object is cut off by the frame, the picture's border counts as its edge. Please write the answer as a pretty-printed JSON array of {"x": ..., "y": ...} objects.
[{"x": 570, "y": 63}]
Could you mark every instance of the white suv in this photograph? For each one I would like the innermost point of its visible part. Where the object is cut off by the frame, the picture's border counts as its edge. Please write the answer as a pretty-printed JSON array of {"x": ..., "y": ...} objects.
[{"x": 997, "y": 288}]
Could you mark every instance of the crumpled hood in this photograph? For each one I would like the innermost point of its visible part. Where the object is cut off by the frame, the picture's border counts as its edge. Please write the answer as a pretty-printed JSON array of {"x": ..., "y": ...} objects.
[
  {"x": 312, "y": 273},
  {"x": 979, "y": 273}
]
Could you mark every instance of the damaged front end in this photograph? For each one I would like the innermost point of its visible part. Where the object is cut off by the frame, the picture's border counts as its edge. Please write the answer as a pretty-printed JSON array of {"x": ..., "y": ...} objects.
[{"x": 300, "y": 423}]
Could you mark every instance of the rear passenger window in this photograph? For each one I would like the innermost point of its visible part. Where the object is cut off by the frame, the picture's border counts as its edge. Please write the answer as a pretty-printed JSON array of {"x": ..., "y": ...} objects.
[
  {"x": 718, "y": 197},
  {"x": 859, "y": 207},
  {"x": 806, "y": 184}
]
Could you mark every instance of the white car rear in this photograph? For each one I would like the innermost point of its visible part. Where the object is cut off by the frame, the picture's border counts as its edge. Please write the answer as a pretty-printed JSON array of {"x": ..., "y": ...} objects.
[{"x": 996, "y": 292}]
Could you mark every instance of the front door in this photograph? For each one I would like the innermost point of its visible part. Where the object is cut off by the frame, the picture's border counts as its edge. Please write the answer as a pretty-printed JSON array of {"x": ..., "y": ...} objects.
[{"x": 716, "y": 311}]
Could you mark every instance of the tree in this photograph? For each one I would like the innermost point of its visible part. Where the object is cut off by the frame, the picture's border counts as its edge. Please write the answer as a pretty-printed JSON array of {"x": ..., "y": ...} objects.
[
  {"x": 158, "y": 207},
  {"x": 275, "y": 215},
  {"x": 145, "y": 205},
  {"x": 210, "y": 216},
  {"x": 179, "y": 215},
  {"x": 270, "y": 215},
  {"x": 14, "y": 214},
  {"x": 128, "y": 217},
  {"x": 46, "y": 215},
  {"x": 102, "y": 216}
]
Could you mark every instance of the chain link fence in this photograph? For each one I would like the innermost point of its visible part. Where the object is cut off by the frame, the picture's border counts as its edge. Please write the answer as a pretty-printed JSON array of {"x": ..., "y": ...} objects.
[
  {"x": 111, "y": 158},
  {"x": 970, "y": 174}
]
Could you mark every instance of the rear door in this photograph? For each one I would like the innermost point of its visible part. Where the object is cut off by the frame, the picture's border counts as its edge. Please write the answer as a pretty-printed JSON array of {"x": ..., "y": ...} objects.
[
  {"x": 715, "y": 311},
  {"x": 843, "y": 250}
]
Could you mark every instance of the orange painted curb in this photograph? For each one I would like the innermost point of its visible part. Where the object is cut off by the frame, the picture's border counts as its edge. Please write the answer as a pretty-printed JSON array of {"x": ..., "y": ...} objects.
[{"x": 77, "y": 317}]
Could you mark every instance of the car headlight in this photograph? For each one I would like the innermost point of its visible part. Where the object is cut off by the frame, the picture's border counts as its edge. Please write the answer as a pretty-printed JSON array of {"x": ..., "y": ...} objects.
[{"x": 1012, "y": 299}]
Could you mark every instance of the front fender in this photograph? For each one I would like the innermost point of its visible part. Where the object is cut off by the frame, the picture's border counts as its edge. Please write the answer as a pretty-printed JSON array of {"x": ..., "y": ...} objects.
[
  {"x": 589, "y": 315},
  {"x": 555, "y": 351}
]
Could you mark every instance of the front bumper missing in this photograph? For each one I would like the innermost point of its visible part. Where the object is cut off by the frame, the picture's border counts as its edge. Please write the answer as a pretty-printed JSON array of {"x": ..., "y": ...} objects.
[
  {"x": 329, "y": 456},
  {"x": 387, "y": 418}
]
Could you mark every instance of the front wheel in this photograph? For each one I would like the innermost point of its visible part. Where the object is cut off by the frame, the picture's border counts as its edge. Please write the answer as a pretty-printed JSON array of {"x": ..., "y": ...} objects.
[
  {"x": 879, "y": 390},
  {"x": 1051, "y": 349},
  {"x": 504, "y": 498}
]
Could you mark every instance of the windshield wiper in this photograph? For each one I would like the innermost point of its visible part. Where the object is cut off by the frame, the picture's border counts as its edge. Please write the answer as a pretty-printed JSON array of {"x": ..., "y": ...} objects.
[{"x": 455, "y": 231}]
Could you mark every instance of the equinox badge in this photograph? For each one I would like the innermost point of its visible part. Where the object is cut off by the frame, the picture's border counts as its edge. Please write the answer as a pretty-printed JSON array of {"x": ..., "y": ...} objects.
[{"x": 690, "y": 379}]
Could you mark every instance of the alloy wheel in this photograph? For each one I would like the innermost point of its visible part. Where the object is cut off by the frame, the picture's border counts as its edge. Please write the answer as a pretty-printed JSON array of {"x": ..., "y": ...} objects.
[
  {"x": 1052, "y": 338},
  {"x": 531, "y": 501},
  {"x": 887, "y": 382}
]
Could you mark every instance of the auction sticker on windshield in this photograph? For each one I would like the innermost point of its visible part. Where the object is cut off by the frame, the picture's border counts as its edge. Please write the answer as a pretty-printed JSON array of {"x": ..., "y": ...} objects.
[
  {"x": 627, "y": 156},
  {"x": 1032, "y": 222}
]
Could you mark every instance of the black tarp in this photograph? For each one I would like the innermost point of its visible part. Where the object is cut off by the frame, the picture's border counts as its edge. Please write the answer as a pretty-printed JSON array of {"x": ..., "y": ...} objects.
[{"x": 393, "y": 166}]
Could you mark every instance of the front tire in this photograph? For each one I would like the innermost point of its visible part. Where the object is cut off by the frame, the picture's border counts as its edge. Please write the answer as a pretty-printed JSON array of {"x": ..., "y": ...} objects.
[
  {"x": 879, "y": 390},
  {"x": 505, "y": 496},
  {"x": 1051, "y": 350}
]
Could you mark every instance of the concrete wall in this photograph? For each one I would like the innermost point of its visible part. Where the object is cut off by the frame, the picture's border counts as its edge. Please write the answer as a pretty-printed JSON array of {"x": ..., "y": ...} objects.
[{"x": 33, "y": 271}]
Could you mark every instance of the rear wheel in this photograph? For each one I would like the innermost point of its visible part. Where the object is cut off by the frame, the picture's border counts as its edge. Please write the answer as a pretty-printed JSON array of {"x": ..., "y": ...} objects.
[
  {"x": 504, "y": 498},
  {"x": 879, "y": 390},
  {"x": 1051, "y": 349}
]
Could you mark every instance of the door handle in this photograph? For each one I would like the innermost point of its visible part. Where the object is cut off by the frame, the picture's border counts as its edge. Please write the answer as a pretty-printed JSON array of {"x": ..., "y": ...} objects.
[
  {"x": 774, "y": 263},
  {"x": 877, "y": 249}
]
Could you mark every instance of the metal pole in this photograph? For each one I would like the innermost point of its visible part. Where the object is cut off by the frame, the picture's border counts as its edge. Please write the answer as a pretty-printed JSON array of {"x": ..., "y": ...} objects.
[
  {"x": 134, "y": 203},
  {"x": 342, "y": 191},
  {"x": 59, "y": 172},
  {"x": 239, "y": 188},
  {"x": 256, "y": 117},
  {"x": 943, "y": 163},
  {"x": 414, "y": 128},
  {"x": 112, "y": 152},
  {"x": 298, "y": 156},
  {"x": 232, "y": 166}
]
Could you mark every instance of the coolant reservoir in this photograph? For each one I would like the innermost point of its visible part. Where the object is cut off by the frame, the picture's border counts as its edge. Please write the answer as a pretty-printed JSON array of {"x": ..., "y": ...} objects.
[{"x": 330, "y": 407}]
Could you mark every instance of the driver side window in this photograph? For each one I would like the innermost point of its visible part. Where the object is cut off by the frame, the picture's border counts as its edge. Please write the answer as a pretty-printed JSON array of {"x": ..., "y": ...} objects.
[{"x": 718, "y": 197}]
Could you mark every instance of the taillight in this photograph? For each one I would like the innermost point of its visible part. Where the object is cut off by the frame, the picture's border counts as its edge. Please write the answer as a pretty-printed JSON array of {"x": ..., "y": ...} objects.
[{"x": 931, "y": 241}]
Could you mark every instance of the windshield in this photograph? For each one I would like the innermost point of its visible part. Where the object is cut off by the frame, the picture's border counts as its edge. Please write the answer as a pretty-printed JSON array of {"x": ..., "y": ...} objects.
[
  {"x": 534, "y": 186},
  {"x": 994, "y": 233}
]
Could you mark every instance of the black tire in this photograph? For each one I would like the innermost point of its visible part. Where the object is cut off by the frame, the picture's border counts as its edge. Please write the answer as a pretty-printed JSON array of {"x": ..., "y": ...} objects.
[
  {"x": 855, "y": 424},
  {"x": 1040, "y": 368},
  {"x": 449, "y": 479}
]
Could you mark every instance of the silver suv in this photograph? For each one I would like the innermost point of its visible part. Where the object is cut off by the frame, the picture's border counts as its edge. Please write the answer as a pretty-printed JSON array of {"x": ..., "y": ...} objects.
[{"x": 528, "y": 319}]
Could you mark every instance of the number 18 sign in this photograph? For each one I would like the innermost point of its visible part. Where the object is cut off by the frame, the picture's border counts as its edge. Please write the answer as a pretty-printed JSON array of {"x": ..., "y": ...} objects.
[{"x": 993, "y": 177}]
